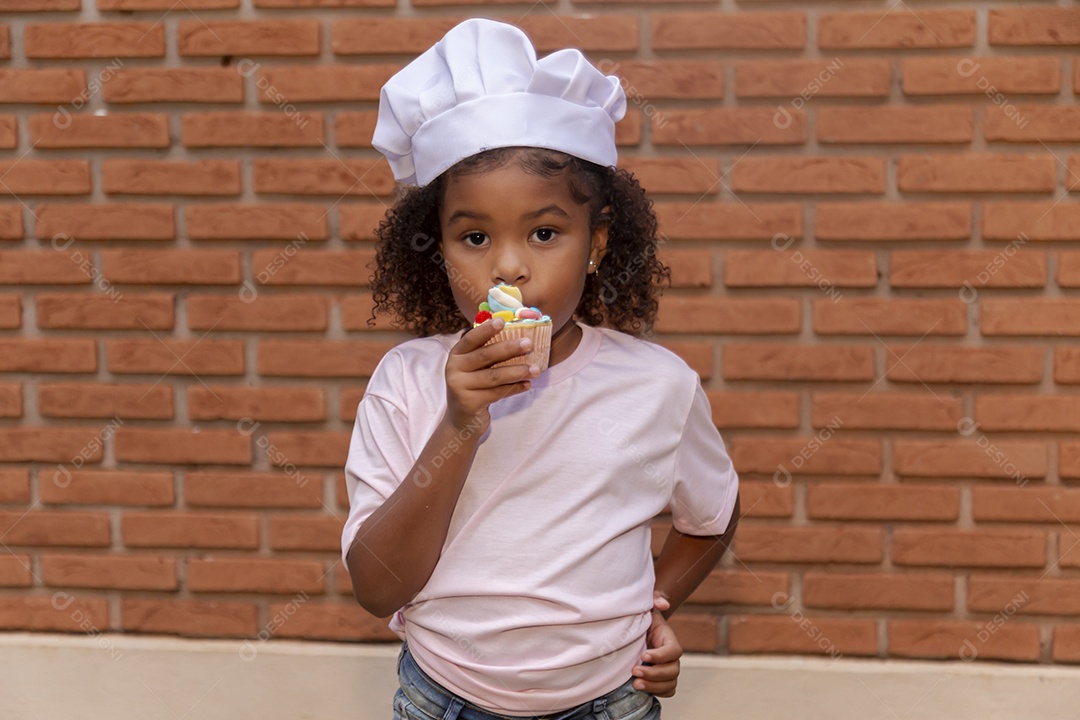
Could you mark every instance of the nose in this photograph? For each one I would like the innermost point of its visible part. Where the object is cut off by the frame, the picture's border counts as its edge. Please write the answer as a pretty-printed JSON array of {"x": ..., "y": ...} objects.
[{"x": 510, "y": 266}]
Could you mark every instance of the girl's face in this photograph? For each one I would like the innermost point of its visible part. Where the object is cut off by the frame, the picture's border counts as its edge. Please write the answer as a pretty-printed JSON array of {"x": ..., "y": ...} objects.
[{"x": 509, "y": 226}]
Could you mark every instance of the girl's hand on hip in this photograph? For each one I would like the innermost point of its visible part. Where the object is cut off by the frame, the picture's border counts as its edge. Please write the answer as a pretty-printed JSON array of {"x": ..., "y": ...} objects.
[
  {"x": 472, "y": 384},
  {"x": 663, "y": 651}
]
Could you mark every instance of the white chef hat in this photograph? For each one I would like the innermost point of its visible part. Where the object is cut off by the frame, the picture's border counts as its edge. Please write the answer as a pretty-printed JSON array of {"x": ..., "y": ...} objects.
[{"x": 481, "y": 87}]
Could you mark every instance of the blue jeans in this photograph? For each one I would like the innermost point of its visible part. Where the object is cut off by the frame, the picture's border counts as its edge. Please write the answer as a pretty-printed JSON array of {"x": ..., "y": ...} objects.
[{"x": 421, "y": 698}]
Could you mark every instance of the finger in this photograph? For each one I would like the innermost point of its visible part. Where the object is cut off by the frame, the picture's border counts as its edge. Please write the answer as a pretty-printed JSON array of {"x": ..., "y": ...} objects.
[
  {"x": 657, "y": 673},
  {"x": 488, "y": 355},
  {"x": 477, "y": 336},
  {"x": 660, "y": 602},
  {"x": 497, "y": 381}
]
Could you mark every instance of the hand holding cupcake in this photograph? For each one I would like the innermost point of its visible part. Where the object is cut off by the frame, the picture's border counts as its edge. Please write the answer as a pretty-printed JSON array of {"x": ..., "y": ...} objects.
[{"x": 504, "y": 301}]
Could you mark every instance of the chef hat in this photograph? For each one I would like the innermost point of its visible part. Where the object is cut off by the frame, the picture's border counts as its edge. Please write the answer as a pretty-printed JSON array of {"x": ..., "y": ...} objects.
[{"x": 481, "y": 87}]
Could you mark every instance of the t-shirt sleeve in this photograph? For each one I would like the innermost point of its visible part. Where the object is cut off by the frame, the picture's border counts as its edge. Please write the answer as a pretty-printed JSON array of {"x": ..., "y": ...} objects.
[
  {"x": 379, "y": 458},
  {"x": 706, "y": 483}
]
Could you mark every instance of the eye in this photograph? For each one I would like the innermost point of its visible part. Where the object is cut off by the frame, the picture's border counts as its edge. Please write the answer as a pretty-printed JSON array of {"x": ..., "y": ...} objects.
[
  {"x": 546, "y": 235},
  {"x": 468, "y": 239}
]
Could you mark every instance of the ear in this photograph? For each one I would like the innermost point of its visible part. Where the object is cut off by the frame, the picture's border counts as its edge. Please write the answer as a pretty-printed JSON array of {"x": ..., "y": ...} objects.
[{"x": 600, "y": 237}]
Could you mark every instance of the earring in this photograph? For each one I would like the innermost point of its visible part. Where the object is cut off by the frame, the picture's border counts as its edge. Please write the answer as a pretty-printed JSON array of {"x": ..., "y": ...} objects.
[{"x": 593, "y": 267}]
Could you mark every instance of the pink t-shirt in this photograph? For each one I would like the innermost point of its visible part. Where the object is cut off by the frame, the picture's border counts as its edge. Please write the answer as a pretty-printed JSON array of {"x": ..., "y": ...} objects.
[{"x": 542, "y": 595}]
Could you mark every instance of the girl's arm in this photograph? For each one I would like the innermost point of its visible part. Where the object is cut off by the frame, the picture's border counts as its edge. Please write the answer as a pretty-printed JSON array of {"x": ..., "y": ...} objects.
[
  {"x": 397, "y": 547},
  {"x": 686, "y": 560}
]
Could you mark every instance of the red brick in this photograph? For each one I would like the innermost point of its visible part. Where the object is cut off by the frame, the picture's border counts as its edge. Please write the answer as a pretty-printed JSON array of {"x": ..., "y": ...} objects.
[
  {"x": 94, "y": 40},
  {"x": 866, "y": 316},
  {"x": 45, "y": 177},
  {"x": 355, "y": 129},
  {"x": 171, "y": 267},
  {"x": 839, "y": 363},
  {"x": 800, "y": 634},
  {"x": 1032, "y": 123},
  {"x": 53, "y": 444},
  {"x": 675, "y": 175},
  {"x": 954, "y": 639},
  {"x": 700, "y": 631},
  {"x": 754, "y": 409},
  {"x": 893, "y": 221},
  {"x": 303, "y": 532},
  {"x": 248, "y": 37},
  {"x": 899, "y": 29},
  {"x": 182, "y": 446},
  {"x": 86, "y": 400},
  {"x": 277, "y": 221},
  {"x": 48, "y": 356},
  {"x": 323, "y": 83},
  {"x": 779, "y": 544},
  {"x": 10, "y": 308},
  {"x": 356, "y": 310},
  {"x": 822, "y": 454},
  {"x": 121, "y": 176},
  {"x": 722, "y": 315},
  {"x": 190, "y": 5},
  {"x": 683, "y": 79},
  {"x": 319, "y": 358},
  {"x": 764, "y": 499},
  {"x": 740, "y": 587},
  {"x": 1034, "y": 26},
  {"x": 175, "y": 357},
  {"x": 689, "y": 268},
  {"x": 103, "y": 312},
  {"x": 608, "y": 32},
  {"x": 329, "y": 621},
  {"x": 817, "y": 77},
  {"x": 1028, "y": 504},
  {"x": 349, "y": 400},
  {"x": 148, "y": 85},
  {"x": 40, "y": 5},
  {"x": 1028, "y": 412},
  {"x": 321, "y": 448},
  {"x": 292, "y": 312},
  {"x": 883, "y": 501},
  {"x": 1068, "y": 274},
  {"x": 252, "y": 129},
  {"x": 45, "y": 528},
  {"x": 926, "y": 363},
  {"x": 1031, "y": 316},
  {"x": 45, "y": 267},
  {"x": 14, "y": 486},
  {"x": 276, "y": 404},
  {"x": 123, "y": 572},
  {"x": 874, "y": 591},
  {"x": 332, "y": 176},
  {"x": 1067, "y": 365},
  {"x": 106, "y": 487},
  {"x": 189, "y": 530},
  {"x": 893, "y": 124},
  {"x": 358, "y": 221},
  {"x": 800, "y": 268},
  {"x": 978, "y": 268},
  {"x": 119, "y": 130},
  {"x": 885, "y": 411},
  {"x": 252, "y": 490},
  {"x": 969, "y": 548},
  {"x": 15, "y": 570},
  {"x": 11, "y": 400},
  {"x": 114, "y": 221},
  {"x": 983, "y": 172},
  {"x": 189, "y": 618},
  {"x": 255, "y": 575},
  {"x": 976, "y": 75},
  {"x": 311, "y": 267},
  {"x": 976, "y": 456},
  {"x": 728, "y": 31},
  {"x": 1024, "y": 595},
  {"x": 728, "y": 126},
  {"x": 1069, "y": 460},
  {"x": 54, "y": 613},
  {"x": 729, "y": 221},
  {"x": 808, "y": 175},
  {"x": 5, "y": 37},
  {"x": 1066, "y": 643}
]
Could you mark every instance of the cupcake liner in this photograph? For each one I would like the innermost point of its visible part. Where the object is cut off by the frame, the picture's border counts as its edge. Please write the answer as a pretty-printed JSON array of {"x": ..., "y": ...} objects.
[{"x": 541, "y": 338}]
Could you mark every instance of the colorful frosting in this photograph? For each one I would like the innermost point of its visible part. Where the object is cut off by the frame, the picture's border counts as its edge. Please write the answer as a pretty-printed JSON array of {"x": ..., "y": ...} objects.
[{"x": 504, "y": 301}]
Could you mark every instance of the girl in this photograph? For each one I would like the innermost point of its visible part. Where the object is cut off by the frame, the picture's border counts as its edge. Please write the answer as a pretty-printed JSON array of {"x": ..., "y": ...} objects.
[{"x": 502, "y": 515}]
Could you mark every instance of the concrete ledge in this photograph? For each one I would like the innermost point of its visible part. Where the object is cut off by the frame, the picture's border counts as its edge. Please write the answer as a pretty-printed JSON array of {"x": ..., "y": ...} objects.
[{"x": 116, "y": 677}]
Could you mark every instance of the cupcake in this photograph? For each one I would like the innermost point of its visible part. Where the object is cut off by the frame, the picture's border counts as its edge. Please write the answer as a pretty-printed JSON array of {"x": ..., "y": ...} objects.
[{"x": 504, "y": 301}]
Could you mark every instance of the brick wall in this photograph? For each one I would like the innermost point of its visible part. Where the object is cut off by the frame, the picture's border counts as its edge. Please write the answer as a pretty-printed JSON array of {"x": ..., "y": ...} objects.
[{"x": 870, "y": 211}]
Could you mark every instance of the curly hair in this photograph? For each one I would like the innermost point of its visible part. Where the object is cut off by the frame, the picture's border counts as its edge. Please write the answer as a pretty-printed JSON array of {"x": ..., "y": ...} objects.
[{"x": 411, "y": 280}]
